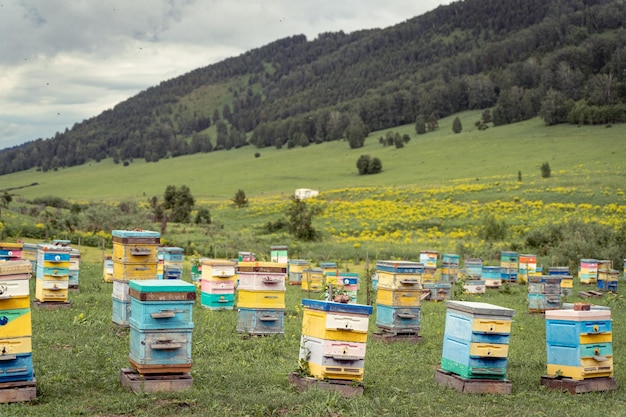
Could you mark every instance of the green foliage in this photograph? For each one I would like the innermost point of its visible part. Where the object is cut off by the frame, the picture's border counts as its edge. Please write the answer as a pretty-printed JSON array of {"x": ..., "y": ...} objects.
[
  {"x": 240, "y": 200},
  {"x": 420, "y": 124},
  {"x": 356, "y": 132},
  {"x": 457, "y": 127},
  {"x": 546, "y": 172},
  {"x": 6, "y": 199},
  {"x": 368, "y": 165},
  {"x": 300, "y": 219},
  {"x": 203, "y": 216},
  {"x": 179, "y": 202},
  {"x": 51, "y": 201},
  {"x": 432, "y": 122},
  {"x": 492, "y": 229},
  {"x": 519, "y": 176}
]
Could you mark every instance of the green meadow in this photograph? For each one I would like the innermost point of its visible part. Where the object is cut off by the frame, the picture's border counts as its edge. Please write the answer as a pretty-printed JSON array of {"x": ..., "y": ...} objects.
[{"x": 432, "y": 194}]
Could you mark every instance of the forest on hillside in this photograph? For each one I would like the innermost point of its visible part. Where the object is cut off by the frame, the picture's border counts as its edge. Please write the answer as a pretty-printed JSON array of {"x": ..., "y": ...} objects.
[{"x": 563, "y": 60}]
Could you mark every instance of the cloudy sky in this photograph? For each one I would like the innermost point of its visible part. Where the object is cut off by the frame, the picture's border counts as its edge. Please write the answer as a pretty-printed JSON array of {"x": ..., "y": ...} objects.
[{"x": 64, "y": 61}]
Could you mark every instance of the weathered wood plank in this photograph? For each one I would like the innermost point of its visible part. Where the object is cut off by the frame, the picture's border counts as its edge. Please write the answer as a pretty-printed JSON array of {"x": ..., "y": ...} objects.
[
  {"x": 578, "y": 387},
  {"x": 18, "y": 391},
  {"x": 472, "y": 386},
  {"x": 139, "y": 383},
  {"x": 347, "y": 389}
]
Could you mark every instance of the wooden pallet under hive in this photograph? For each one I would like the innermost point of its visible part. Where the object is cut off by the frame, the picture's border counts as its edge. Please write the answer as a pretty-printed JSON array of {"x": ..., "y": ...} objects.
[
  {"x": 139, "y": 383},
  {"x": 473, "y": 385},
  {"x": 393, "y": 337},
  {"x": 18, "y": 391},
  {"x": 577, "y": 386}
]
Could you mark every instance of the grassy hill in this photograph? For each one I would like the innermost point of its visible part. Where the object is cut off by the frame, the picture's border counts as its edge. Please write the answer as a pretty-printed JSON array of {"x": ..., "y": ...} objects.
[{"x": 586, "y": 156}]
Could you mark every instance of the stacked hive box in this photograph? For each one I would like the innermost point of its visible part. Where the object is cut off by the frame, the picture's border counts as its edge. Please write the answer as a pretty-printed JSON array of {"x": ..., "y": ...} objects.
[
  {"x": 328, "y": 267},
  {"x": 16, "y": 359},
  {"x": 172, "y": 262},
  {"x": 312, "y": 279},
  {"x": 74, "y": 267},
  {"x": 278, "y": 254},
  {"x": 218, "y": 284},
  {"x": 334, "y": 339},
  {"x": 53, "y": 272},
  {"x": 476, "y": 340},
  {"x": 346, "y": 283},
  {"x": 261, "y": 297},
  {"x": 579, "y": 343},
  {"x": 295, "y": 267},
  {"x": 29, "y": 253},
  {"x": 161, "y": 325},
  {"x": 398, "y": 302},
  {"x": 544, "y": 293},
  {"x": 605, "y": 276},
  {"x": 10, "y": 251},
  {"x": 474, "y": 268},
  {"x": 439, "y": 291},
  {"x": 450, "y": 267},
  {"x": 107, "y": 269},
  {"x": 492, "y": 275},
  {"x": 246, "y": 257},
  {"x": 527, "y": 267},
  {"x": 429, "y": 259},
  {"x": 567, "y": 281},
  {"x": 134, "y": 258},
  {"x": 509, "y": 262},
  {"x": 588, "y": 273}
]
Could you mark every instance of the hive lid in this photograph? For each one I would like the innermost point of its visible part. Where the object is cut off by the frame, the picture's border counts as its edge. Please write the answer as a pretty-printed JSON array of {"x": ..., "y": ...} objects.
[
  {"x": 160, "y": 285},
  {"x": 171, "y": 249},
  {"x": 575, "y": 315},
  {"x": 217, "y": 262},
  {"x": 479, "y": 308},
  {"x": 332, "y": 306},
  {"x": 262, "y": 264},
  {"x": 135, "y": 233}
]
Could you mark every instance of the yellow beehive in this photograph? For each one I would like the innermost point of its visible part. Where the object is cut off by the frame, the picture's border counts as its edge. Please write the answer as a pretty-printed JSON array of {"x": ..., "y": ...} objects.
[
  {"x": 136, "y": 253},
  {"x": 335, "y": 326},
  {"x": 17, "y": 323},
  {"x": 16, "y": 345},
  {"x": 399, "y": 298},
  {"x": 261, "y": 299},
  {"x": 134, "y": 271},
  {"x": 44, "y": 294},
  {"x": 335, "y": 372}
]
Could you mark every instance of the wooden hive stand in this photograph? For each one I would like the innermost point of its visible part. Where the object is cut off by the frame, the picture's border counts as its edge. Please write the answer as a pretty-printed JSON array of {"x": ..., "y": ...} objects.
[
  {"x": 472, "y": 386},
  {"x": 574, "y": 386},
  {"x": 347, "y": 389},
  {"x": 393, "y": 337},
  {"x": 52, "y": 305},
  {"x": 18, "y": 391},
  {"x": 141, "y": 383}
]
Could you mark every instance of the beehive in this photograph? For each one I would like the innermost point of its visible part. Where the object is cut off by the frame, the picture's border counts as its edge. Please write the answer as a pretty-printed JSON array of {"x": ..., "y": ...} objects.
[
  {"x": 527, "y": 266},
  {"x": 476, "y": 340},
  {"x": 161, "y": 324},
  {"x": 218, "y": 284},
  {"x": 10, "y": 251},
  {"x": 53, "y": 269},
  {"x": 509, "y": 264},
  {"x": 312, "y": 279},
  {"x": 579, "y": 344},
  {"x": 345, "y": 283},
  {"x": 295, "y": 269},
  {"x": 73, "y": 279},
  {"x": 450, "y": 267},
  {"x": 279, "y": 254},
  {"x": 588, "y": 272},
  {"x": 439, "y": 291},
  {"x": 544, "y": 293},
  {"x": 474, "y": 268},
  {"x": 333, "y": 341},
  {"x": 172, "y": 262},
  {"x": 492, "y": 275},
  {"x": 261, "y": 297},
  {"x": 16, "y": 362}
]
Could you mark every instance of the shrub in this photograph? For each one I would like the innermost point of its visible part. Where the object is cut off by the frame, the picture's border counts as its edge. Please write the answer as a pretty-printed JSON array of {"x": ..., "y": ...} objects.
[{"x": 546, "y": 172}]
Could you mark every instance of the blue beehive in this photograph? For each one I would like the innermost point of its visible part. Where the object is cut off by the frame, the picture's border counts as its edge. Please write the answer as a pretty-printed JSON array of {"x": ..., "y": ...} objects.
[
  {"x": 579, "y": 344},
  {"x": 476, "y": 339},
  {"x": 161, "y": 325},
  {"x": 261, "y": 321},
  {"x": 398, "y": 319}
]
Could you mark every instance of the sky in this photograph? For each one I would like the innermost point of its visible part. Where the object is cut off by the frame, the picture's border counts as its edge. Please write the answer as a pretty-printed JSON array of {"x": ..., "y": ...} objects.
[{"x": 65, "y": 61}]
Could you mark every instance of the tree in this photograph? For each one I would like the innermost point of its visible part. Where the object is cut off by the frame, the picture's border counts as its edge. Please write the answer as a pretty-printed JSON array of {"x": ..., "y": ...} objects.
[
  {"x": 203, "y": 216},
  {"x": 240, "y": 199},
  {"x": 432, "y": 122},
  {"x": 375, "y": 166},
  {"x": 420, "y": 124},
  {"x": 300, "y": 220},
  {"x": 6, "y": 199},
  {"x": 546, "y": 172},
  {"x": 397, "y": 141},
  {"x": 179, "y": 202},
  {"x": 363, "y": 163},
  {"x": 356, "y": 132},
  {"x": 457, "y": 127}
]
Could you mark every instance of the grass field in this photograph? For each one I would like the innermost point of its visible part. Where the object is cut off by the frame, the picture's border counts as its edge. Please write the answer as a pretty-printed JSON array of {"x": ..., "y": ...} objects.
[{"x": 78, "y": 354}]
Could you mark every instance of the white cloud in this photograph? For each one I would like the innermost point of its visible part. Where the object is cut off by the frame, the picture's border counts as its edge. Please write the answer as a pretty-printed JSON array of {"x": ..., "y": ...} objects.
[{"x": 62, "y": 62}]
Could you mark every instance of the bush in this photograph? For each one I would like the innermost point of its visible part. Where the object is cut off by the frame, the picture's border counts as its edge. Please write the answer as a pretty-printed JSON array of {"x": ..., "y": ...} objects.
[
  {"x": 546, "y": 172},
  {"x": 492, "y": 229},
  {"x": 368, "y": 165}
]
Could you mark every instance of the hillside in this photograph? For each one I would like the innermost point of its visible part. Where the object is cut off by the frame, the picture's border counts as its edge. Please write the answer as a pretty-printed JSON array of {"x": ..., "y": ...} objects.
[{"x": 561, "y": 59}]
